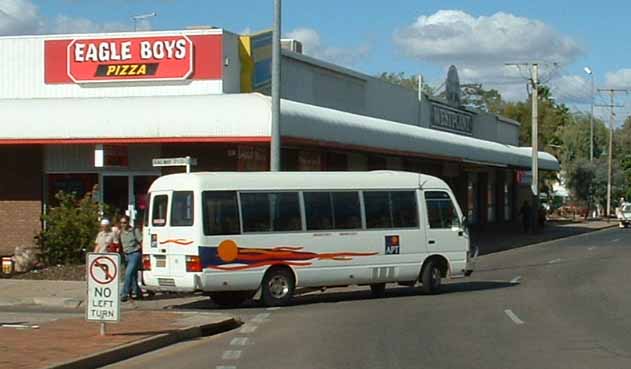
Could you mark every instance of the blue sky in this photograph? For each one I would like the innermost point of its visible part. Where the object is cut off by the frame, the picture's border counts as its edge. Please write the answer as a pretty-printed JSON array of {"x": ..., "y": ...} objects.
[{"x": 374, "y": 36}]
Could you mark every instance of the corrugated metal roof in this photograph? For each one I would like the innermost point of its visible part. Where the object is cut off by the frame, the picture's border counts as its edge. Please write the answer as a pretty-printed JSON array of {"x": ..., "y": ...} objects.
[{"x": 240, "y": 115}]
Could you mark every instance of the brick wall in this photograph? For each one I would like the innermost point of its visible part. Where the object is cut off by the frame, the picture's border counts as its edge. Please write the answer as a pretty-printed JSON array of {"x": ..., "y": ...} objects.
[{"x": 20, "y": 196}]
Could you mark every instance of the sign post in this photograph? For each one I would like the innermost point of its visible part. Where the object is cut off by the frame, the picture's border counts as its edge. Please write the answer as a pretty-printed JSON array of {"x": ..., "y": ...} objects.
[
  {"x": 103, "y": 274},
  {"x": 175, "y": 162}
]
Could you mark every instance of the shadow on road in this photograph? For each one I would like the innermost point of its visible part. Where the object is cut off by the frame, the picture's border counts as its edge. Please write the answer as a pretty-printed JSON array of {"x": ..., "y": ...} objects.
[{"x": 333, "y": 296}]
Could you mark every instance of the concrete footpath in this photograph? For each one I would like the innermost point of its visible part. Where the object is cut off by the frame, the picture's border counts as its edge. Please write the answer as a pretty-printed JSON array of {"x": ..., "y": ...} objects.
[
  {"x": 75, "y": 343},
  {"x": 498, "y": 238}
]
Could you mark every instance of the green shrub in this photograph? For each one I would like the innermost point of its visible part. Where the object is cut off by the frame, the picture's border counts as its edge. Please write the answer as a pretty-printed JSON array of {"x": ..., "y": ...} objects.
[{"x": 71, "y": 227}]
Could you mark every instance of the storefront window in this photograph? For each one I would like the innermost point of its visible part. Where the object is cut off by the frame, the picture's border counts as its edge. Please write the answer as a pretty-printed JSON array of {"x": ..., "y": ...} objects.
[
  {"x": 508, "y": 209},
  {"x": 490, "y": 196},
  {"x": 79, "y": 184},
  {"x": 472, "y": 198}
]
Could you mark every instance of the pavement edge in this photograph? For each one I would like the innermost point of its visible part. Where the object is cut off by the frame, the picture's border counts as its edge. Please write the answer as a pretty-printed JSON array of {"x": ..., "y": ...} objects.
[
  {"x": 148, "y": 344},
  {"x": 556, "y": 239}
]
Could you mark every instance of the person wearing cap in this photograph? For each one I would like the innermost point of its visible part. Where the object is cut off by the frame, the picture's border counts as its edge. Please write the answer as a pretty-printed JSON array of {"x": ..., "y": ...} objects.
[{"x": 104, "y": 238}]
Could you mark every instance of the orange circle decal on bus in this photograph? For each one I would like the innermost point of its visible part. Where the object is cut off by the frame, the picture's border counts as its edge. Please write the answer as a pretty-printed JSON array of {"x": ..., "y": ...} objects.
[{"x": 228, "y": 251}]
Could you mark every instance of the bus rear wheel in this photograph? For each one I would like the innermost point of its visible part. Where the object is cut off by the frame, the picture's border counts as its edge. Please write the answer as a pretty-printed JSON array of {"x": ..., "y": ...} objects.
[
  {"x": 230, "y": 298},
  {"x": 278, "y": 287}
]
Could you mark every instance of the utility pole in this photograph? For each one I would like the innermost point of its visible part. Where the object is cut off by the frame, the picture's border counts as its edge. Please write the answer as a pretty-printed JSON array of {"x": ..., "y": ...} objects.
[
  {"x": 612, "y": 124},
  {"x": 534, "y": 84},
  {"x": 276, "y": 59},
  {"x": 535, "y": 146}
]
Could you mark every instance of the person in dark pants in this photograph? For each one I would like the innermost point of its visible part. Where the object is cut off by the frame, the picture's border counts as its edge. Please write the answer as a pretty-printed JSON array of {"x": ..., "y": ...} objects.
[
  {"x": 526, "y": 215},
  {"x": 131, "y": 242}
]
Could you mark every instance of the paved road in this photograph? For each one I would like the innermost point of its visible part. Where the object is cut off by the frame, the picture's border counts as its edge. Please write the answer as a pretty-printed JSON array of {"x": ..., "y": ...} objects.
[{"x": 568, "y": 306}]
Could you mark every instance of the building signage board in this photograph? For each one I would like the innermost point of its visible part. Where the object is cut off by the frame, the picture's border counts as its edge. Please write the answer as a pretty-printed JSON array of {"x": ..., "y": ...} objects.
[
  {"x": 451, "y": 120},
  {"x": 524, "y": 177},
  {"x": 116, "y": 59},
  {"x": 103, "y": 274},
  {"x": 133, "y": 58}
]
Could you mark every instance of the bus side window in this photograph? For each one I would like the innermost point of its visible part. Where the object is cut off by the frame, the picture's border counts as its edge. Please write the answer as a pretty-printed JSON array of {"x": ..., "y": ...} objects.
[
  {"x": 271, "y": 212},
  {"x": 220, "y": 213},
  {"x": 404, "y": 209},
  {"x": 318, "y": 211},
  {"x": 441, "y": 213},
  {"x": 377, "y": 209},
  {"x": 159, "y": 211},
  {"x": 346, "y": 210},
  {"x": 391, "y": 209},
  {"x": 182, "y": 209}
]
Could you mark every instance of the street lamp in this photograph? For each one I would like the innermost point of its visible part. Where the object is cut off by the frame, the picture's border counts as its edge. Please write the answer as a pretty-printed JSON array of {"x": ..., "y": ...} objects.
[{"x": 588, "y": 70}]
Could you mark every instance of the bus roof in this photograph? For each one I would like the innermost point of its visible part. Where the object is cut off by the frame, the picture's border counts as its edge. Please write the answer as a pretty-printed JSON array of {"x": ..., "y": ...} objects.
[{"x": 295, "y": 180}]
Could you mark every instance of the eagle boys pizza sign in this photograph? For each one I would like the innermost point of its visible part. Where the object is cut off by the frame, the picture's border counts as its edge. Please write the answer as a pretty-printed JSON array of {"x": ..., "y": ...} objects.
[{"x": 125, "y": 59}]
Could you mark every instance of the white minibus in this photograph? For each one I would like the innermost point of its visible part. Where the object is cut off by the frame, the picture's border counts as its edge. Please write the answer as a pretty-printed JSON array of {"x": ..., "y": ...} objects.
[{"x": 230, "y": 234}]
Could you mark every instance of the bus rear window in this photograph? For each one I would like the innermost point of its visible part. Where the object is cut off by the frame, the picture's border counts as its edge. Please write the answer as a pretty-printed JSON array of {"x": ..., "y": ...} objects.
[
  {"x": 159, "y": 211},
  {"x": 182, "y": 209},
  {"x": 220, "y": 213}
]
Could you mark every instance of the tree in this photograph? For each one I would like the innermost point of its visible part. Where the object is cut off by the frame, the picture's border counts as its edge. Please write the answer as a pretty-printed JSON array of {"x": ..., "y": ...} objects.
[
  {"x": 580, "y": 178},
  {"x": 407, "y": 81}
]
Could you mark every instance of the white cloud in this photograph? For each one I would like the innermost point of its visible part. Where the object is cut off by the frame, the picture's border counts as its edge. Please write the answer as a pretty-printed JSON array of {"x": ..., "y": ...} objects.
[
  {"x": 18, "y": 17},
  {"x": 571, "y": 89},
  {"x": 480, "y": 46},
  {"x": 619, "y": 79},
  {"x": 312, "y": 45},
  {"x": 21, "y": 17}
]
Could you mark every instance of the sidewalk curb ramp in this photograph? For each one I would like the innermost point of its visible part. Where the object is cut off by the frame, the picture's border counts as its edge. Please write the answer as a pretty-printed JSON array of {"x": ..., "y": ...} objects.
[{"x": 148, "y": 344}]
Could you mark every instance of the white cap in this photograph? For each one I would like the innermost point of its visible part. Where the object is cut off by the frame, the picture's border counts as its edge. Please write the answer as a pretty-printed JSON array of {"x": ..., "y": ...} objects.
[{"x": 105, "y": 222}]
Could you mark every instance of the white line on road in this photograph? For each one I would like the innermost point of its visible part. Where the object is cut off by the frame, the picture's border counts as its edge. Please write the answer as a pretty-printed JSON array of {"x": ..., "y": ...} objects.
[
  {"x": 226, "y": 367},
  {"x": 554, "y": 261},
  {"x": 513, "y": 317},
  {"x": 515, "y": 280},
  {"x": 261, "y": 318},
  {"x": 273, "y": 308},
  {"x": 590, "y": 248},
  {"x": 239, "y": 341},
  {"x": 616, "y": 240},
  {"x": 231, "y": 355},
  {"x": 248, "y": 328}
]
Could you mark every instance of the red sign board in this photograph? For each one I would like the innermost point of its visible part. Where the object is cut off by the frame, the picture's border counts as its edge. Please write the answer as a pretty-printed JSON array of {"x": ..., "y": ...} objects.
[
  {"x": 115, "y": 59},
  {"x": 137, "y": 58}
]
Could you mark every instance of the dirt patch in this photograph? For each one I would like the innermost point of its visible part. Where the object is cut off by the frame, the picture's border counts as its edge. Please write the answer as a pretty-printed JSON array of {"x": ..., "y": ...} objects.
[{"x": 60, "y": 272}]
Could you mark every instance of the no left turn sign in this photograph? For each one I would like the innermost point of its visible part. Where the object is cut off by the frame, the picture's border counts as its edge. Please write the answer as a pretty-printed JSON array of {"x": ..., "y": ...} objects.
[{"x": 103, "y": 273}]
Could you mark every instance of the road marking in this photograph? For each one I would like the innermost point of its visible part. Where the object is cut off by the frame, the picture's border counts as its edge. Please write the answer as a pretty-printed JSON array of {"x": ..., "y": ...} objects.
[
  {"x": 554, "y": 261},
  {"x": 261, "y": 318},
  {"x": 515, "y": 280},
  {"x": 239, "y": 341},
  {"x": 248, "y": 328},
  {"x": 616, "y": 240},
  {"x": 513, "y": 317},
  {"x": 226, "y": 367},
  {"x": 590, "y": 248},
  {"x": 231, "y": 355},
  {"x": 273, "y": 308}
]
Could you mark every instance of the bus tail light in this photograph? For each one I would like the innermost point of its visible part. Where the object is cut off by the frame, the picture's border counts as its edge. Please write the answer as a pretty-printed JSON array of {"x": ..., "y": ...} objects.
[
  {"x": 146, "y": 262},
  {"x": 193, "y": 263}
]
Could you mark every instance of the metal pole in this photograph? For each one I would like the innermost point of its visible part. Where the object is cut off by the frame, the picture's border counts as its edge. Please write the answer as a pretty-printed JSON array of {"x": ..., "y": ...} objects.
[
  {"x": 591, "y": 124},
  {"x": 535, "y": 146},
  {"x": 276, "y": 59},
  {"x": 611, "y": 125},
  {"x": 103, "y": 330}
]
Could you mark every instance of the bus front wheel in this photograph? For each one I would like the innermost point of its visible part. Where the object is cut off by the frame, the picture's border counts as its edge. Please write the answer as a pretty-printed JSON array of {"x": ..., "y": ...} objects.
[
  {"x": 278, "y": 287},
  {"x": 431, "y": 277}
]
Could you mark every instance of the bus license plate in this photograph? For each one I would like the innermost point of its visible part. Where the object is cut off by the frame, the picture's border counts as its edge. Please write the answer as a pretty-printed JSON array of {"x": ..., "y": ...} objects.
[{"x": 161, "y": 261}]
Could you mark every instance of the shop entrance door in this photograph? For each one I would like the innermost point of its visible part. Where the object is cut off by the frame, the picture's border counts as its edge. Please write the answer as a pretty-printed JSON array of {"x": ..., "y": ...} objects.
[
  {"x": 125, "y": 194},
  {"x": 116, "y": 193}
]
